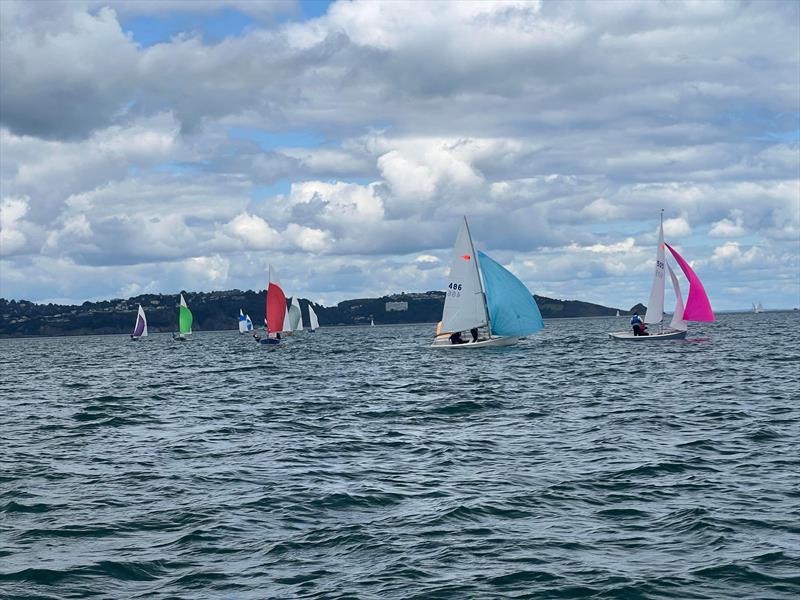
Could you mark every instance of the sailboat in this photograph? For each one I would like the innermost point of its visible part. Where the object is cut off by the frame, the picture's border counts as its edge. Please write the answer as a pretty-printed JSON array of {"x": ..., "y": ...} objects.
[
  {"x": 276, "y": 309},
  {"x": 313, "y": 321},
  {"x": 617, "y": 313},
  {"x": 184, "y": 322},
  {"x": 248, "y": 323},
  {"x": 698, "y": 307},
  {"x": 482, "y": 295},
  {"x": 371, "y": 322},
  {"x": 140, "y": 329},
  {"x": 242, "y": 322},
  {"x": 758, "y": 308}
]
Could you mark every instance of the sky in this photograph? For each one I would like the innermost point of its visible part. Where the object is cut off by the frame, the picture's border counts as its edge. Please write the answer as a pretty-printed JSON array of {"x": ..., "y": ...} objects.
[{"x": 159, "y": 146}]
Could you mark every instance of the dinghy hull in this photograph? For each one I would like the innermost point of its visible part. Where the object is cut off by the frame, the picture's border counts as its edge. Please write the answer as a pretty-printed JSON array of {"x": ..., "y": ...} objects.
[
  {"x": 627, "y": 336},
  {"x": 494, "y": 342}
]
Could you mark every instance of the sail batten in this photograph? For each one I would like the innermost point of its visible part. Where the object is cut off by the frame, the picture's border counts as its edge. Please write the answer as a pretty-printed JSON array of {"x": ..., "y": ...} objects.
[
  {"x": 512, "y": 309},
  {"x": 698, "y": 306}
]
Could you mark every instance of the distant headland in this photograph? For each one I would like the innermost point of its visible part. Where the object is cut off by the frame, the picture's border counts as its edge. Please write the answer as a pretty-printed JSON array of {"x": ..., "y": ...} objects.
[{"x": 220, "y": 310}]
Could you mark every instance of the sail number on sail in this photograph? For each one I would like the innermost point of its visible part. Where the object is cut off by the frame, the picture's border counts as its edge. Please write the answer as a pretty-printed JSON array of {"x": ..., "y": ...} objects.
[{"x": 455, "y": 290}]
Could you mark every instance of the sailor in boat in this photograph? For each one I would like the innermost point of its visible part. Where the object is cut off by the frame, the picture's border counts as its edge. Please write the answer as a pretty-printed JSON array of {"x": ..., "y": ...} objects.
[
  {"x": 474, "y": 333},
  {"x": 639, "y": 327},
  {"x": 455, "y": 338},
  {"x": 256, "y": 337}
]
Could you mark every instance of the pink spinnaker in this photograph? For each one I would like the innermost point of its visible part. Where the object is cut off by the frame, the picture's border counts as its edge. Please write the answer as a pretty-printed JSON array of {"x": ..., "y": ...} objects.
[{"x": 698, "y": 308}]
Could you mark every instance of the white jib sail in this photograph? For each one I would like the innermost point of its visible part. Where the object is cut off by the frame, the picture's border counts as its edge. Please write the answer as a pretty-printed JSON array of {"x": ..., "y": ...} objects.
[
  {"x": 312, "y": 319},
  {"x": 144, "y": 320},
  {"x": 464, "y": 303},
  {"x": 296, "y": 315},
  {"x": 677, "y": 317},
  {"x": 655, "y": 306}
]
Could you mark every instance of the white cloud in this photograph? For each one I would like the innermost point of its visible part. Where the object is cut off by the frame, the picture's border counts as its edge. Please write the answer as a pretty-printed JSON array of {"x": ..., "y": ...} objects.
[
  {"x": 730, "y": 227},
  {"x": 253, "y": 231},
  {"x": 12, "y": 211}
]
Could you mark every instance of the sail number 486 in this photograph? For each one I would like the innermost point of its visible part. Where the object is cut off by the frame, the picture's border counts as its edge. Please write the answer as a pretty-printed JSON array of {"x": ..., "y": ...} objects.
[{"x": 455, "y": 289}]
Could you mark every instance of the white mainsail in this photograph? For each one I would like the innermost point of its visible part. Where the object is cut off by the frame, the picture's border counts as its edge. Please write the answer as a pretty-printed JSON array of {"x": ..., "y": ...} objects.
[
  {"x": 312, "y": 318},
  {"x": 464, "y": 303},
  {"x": 655, "y": 306},
  {"x": 677, "y": 317},
  {"x": 287, "y": 321},
  {"x": 242, "y": 322}
]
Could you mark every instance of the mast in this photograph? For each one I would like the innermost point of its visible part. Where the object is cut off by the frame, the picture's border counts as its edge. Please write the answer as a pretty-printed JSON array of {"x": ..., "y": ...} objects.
[{"x": 480, "y": 279}]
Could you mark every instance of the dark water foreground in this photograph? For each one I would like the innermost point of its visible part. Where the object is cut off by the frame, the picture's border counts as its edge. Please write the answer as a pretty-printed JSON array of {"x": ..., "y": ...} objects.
[{"x": 358, "y": 463}]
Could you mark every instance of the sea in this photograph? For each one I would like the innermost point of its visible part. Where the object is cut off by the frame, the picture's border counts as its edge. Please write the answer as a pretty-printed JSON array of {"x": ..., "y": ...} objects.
[{"x": 360, "y": 463}]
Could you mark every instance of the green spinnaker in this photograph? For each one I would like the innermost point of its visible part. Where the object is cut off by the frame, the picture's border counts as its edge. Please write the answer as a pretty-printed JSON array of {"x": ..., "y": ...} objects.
[{"x": 185, "y": 319}]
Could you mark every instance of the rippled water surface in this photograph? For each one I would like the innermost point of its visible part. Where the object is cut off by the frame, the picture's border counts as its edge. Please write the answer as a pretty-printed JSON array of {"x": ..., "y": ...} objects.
[{"x": 358, "y": 463}]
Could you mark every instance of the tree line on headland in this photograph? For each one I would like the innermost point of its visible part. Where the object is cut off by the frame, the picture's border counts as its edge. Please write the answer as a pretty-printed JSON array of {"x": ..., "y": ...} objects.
[{"x": 220, "y": 310}]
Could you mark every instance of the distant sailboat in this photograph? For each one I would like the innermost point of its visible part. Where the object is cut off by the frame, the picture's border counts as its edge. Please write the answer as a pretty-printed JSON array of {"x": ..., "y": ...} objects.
[
  {"x": 698, "y": 307},
  {"x": 295, "y": 316},
  {"x": 242, "y": 322},
  {"x": 184, "y": 322},
  {"x": 483, "y": 295},
  {"x": 758, "y": 308},
  {"x": 275, "y": 308},
  {"x": 248, "y": 323},
  {"x": 140, "y": 329},
  {"x": 312, "y": 319},
  {"x": 372, "y": 322},
  {"x": 617, "y": 313}
]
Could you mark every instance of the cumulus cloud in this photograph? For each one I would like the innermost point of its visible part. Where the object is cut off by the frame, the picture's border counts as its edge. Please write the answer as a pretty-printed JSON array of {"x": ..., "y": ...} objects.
[
  {"x": 730, "y": 227},
  {"x": 560, "y": 129}
]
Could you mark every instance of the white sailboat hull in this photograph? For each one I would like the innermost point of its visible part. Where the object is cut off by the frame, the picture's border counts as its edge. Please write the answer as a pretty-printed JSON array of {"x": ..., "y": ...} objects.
[
  {"x": 493, "y": 342},
  {"x": 627, "y": 336}
]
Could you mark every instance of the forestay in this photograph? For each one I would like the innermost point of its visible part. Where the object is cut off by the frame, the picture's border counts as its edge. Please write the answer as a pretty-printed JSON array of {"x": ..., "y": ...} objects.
[
  {"x": 464, "y": 304},
  {"x": 512, "y": 309}
]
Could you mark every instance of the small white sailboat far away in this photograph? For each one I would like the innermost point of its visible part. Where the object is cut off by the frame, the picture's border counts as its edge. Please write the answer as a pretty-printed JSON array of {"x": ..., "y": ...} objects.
[
  {"x": 758, "y": 308},
  {"x": 617, "y": 313},
  {"x": 242, "y": 323},
  {"x": 140, "y": 329},
  {"x": 313, "y": 321},
  {"x": 698, "y": 307},
  {"x": 184, "y": 322},
  {"x": 371, "y": 322},
  {"x": 275, "y": 308},
  {"x": 486, "y": 299}
]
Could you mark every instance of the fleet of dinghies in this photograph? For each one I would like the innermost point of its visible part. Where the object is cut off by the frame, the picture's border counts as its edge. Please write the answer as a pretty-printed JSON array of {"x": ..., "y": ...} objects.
[
  {"x": 485, "y": 305},
  {"x": 697, "y": 308}
]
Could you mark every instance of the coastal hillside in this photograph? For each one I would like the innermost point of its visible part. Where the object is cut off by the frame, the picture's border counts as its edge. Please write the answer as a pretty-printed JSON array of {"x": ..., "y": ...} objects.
[{"x": 220, "y": 310}]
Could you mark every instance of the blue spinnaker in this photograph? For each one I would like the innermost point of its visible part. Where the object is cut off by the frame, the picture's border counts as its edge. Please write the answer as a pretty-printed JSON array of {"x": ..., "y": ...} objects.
[{"x": 512, "y": 309}]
